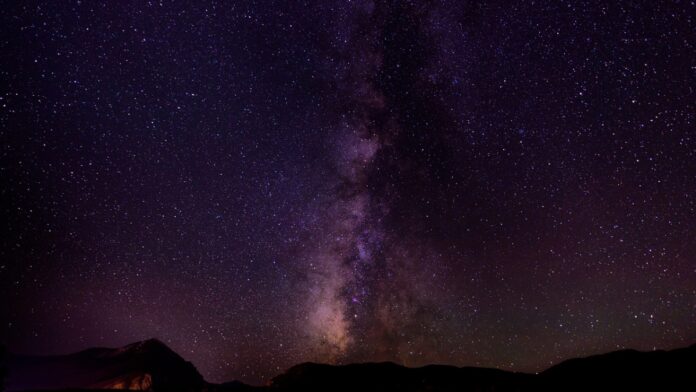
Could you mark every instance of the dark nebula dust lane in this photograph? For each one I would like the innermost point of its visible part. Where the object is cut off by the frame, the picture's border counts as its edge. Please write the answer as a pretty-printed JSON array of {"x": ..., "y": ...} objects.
[{"x": 263, "y": 184}]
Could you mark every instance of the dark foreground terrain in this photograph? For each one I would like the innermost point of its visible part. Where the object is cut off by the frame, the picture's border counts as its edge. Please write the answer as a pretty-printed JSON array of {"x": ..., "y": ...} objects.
[{"x": 151, "y": 365}]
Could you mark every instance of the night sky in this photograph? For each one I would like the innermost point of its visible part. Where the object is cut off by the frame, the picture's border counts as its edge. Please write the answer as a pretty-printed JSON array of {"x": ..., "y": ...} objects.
[{"x": 259, "y": 184}]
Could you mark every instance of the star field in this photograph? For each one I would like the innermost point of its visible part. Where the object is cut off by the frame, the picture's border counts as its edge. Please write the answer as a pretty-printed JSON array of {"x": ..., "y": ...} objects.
[{"x": 259, "y": 184}]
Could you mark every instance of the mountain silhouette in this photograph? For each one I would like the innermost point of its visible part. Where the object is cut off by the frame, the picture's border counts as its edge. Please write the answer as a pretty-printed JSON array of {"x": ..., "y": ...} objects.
[
  {"x": 389, "y": 376},
  {"x": 146, "y": 365},
  {"x": 626, "y": 370},
  {"x": 150, "y": 365}
]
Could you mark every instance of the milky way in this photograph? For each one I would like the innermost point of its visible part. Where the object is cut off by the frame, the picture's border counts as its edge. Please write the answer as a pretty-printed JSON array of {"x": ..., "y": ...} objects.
[
  {"x": 260, "y": 184},
  {"x": 364, "y": 283}
]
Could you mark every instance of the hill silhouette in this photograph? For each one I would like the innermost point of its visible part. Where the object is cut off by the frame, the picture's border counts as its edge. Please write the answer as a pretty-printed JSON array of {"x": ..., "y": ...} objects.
[
  {"x": 150, "y": 365},
  {"x": 146, "y": 365},
  {"x": 626, "y": 370}
]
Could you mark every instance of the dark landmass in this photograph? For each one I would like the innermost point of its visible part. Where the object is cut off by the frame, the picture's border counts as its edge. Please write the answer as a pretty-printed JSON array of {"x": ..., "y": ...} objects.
[
  {"x": 152, "y": 366},
  {"x": 627, "y": 370},
  {"x": 393, "y": 377},
  {"x": 147, "y": 365}
]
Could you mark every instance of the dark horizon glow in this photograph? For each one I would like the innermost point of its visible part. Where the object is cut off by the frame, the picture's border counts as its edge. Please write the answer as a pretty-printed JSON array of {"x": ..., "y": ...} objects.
[{"x": 263, "y": 184}]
